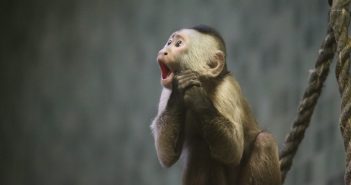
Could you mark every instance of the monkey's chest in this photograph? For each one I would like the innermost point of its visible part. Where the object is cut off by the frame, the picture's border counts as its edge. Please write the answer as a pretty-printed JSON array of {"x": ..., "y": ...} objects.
[
  {"x": 193, "y": 127},
  {"x": 195, "y": 143},
  {"x": 200, "y": 167}
]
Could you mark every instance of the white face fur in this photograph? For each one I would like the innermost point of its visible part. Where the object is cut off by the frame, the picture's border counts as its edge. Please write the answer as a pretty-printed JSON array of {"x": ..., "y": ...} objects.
[{"x": 185, "y": 49}]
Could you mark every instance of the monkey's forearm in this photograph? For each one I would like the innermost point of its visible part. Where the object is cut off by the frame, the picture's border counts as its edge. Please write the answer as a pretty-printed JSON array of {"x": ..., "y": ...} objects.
[
  {"x": 168, "y": 134},
  {"x": 223, "y": 138}
]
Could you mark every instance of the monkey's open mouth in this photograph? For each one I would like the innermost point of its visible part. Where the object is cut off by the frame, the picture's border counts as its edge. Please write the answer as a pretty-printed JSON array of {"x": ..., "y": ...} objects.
[
  {"x": 167, "y": 74},
  {"x": 165, "y": 71}
]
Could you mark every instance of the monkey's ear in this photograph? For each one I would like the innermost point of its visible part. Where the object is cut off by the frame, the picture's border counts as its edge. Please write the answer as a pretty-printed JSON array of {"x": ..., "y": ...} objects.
[{"x": 216, "y": 65}]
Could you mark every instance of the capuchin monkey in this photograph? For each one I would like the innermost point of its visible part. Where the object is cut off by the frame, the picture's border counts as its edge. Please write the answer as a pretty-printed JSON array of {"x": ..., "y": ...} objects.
[{"x": 204, "y": 117}]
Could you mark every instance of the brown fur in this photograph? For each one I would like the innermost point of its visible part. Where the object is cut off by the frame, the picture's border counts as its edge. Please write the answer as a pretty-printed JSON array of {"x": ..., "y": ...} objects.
[{"x": 225, "y": 147}]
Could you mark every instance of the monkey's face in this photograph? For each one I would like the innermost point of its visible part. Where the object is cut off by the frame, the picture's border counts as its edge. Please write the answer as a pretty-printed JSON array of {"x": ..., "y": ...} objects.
[
  {"x": 168, "y": 57},
  {"x": 188, "y": 49}
]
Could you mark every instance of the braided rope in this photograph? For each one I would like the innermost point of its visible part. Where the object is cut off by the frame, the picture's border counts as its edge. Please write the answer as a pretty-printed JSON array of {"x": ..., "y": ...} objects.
[
  {"x": 308, "y": 103},
  {"x": 340, "y": 19}
]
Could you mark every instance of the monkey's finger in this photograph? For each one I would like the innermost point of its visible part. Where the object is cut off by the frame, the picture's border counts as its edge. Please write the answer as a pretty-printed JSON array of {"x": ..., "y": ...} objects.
[
  {"x": 176, "y": 81},
  {"x": 189, "y": 83},
  {"x": 196, "y": 83},
  {"x": 190, "y": 80},
  {"x": 186, "y": 78},
  {"x": 187, "y": 72}
]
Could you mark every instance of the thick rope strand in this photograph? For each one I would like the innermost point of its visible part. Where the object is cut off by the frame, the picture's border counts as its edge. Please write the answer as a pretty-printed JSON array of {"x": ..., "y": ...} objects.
[
  {"x": 308, "y": 103},
  {"x": 340, "y": 19}
]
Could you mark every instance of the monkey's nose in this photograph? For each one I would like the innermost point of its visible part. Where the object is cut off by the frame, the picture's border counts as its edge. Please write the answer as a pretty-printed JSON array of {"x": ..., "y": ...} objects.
[{"x": 162, "y": 52}]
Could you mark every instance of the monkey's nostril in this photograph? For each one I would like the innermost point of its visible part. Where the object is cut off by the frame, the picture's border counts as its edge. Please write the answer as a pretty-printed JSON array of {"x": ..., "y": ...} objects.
[{"x": 165, "y": 53}]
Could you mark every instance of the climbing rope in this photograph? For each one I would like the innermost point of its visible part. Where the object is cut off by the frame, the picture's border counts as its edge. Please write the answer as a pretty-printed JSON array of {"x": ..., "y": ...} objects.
[
  {"x": 308, "y": 103},
  {"x": 337, "y": 39},
  {"x": 340, "y": 20}
]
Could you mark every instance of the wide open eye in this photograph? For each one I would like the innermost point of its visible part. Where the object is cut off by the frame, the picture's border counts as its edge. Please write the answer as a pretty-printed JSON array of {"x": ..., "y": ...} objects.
[{"x": 178, "y": 43}]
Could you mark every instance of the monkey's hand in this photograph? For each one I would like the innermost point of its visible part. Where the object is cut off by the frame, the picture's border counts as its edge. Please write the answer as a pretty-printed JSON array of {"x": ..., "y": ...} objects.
[
  {"x": 176, "y": 98},
  {"x": 194, "y": 95},
  {"x": 185, "y": 80}
]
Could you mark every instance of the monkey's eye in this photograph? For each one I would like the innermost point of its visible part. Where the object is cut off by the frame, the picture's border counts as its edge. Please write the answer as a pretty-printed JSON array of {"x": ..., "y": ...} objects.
[
  {"x": 178, "y": 43},
  {"x": 169, "y": 42}
]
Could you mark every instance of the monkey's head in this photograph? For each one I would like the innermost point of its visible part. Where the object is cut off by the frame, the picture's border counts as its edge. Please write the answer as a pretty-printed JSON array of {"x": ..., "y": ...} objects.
[{"x": 200, "y": 48}]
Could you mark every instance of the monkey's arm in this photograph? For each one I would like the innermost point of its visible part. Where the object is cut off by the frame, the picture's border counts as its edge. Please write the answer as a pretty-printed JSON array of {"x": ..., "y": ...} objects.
[
  {"x": 167, "y": 129},
  {"x": 225, "y": 139}
]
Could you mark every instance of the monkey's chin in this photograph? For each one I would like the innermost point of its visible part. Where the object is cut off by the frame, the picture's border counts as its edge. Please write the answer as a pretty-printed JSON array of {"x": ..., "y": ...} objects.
[{"x": 167, "y": 82}]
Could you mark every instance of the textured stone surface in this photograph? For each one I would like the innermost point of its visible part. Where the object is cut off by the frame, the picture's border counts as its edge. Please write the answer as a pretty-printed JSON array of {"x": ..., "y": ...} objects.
[{"x": 80, "y": 85}]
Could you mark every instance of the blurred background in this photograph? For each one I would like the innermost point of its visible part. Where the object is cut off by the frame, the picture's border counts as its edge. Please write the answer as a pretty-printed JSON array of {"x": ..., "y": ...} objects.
[{"x": 80, "y": 85}]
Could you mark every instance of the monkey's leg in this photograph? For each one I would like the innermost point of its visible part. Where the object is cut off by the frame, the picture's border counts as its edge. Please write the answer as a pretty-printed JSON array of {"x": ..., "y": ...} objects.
[{"x": 262, "y": 166}]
